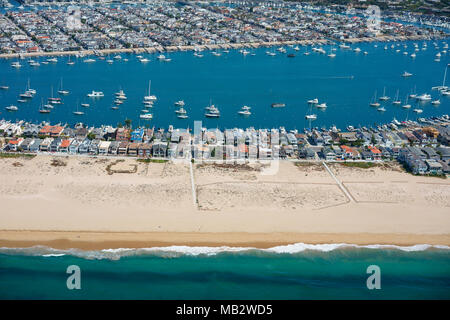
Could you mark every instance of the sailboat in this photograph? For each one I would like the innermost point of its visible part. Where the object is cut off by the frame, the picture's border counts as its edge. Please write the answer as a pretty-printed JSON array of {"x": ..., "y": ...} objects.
[
  {"x": 374, "y": 102},
  {"x": 413, "y": 93},
  {"x": 61, "y": 91},
  {"x": 53, "y": 100},
  {"x": 149, "y": 97},
  {"x": 396, "y": 101},
  {"x": 41, "y": 109},
  {"x": 78, "y": 113},
  {"x": 384, "y": 97},
  {"x": 70, "y": 62},
  {"x": 406, "y": 105},
  {"x": 310, "y": 116}
]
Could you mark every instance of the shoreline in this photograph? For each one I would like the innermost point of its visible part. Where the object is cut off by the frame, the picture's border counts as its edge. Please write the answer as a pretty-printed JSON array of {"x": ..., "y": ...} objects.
[
  {"x": 253, "y": 45},
  {"x": 114, "y": 240}
]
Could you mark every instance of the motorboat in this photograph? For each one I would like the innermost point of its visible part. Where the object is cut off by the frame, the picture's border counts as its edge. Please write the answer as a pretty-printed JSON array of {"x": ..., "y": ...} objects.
[
  {"x": 146, "y": 116},
  {"x": 95, "y": 94},
  {"x": 12, "y": 108}
]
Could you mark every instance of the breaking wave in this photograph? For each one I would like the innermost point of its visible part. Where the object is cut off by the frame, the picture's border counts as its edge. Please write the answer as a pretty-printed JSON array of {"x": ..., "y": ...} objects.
[{"x": 177, "y": 251}]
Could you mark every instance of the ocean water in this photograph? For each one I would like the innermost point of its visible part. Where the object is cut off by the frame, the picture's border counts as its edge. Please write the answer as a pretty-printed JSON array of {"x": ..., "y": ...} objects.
[
  {"x": 290, "y": 272},
  {"x": 346, "y": 83}
]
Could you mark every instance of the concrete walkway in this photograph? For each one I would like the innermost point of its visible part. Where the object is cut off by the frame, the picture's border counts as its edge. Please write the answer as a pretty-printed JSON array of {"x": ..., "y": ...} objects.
[{"x": 341, "y": 186}]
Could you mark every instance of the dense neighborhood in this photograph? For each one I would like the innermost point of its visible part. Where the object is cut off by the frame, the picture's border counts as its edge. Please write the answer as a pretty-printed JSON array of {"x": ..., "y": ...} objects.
[{"x": 423, "y": 148}]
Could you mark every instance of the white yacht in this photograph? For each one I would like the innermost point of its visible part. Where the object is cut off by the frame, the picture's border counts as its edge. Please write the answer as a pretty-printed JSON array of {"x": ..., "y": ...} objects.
[
  {"x": 382, "y": 109},
  {"x": 212, "y": 112},
  {"x": 12, "y": 108},
  {"x": 146, "y": 116},
  {"x": 89, "y": 60},
  {"x": 313, "y": 101},
  {"x": 161, "y": 57},
  {"x": 406, "y": 74},
  {"x": 321, "y": 106},
  {"x": 311, "y": 116},
  {"x": 85, "y": 105},
  {"x": 424, "y": 97},
  {"x": 95, "y": 94},
  {"x": 436, "y": 102},
  {"x": 118, "y": 57},
  {"x": 418, "y": 110},
  {"x": 16, "y": 64},
  {"x": 179, "y": 103},
  {"x": 182, "y": 116},
  {"x": 181, "y": 111},
  {"x": 54, "y": 60},
  {"x": 143, "y": 60},
  {"x": 357, "y": 50},
  {"x": 245, "y": 111}
]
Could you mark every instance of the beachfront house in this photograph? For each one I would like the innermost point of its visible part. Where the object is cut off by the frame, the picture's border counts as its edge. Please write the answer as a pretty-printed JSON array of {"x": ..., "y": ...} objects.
[
  {"x": 123, "y": 148},
  {"x": 73, "y": 148},
  {"x": 144, "y": 150},
  {"x": 34, "y": 146},
  {"x": 25, "y": 145},
  {"x": 328, "y": 154},
  {"x": 172, "y": 150},
  {"x": 55, "y": 145},
  {"x": 133, "y": 148},
  {"x": 113, "y": 147},
  {"x": 433, "y": 166},
  {"x": 84, "y": 146},
  {"x": 45, "y": 144},
  {"x": 93, "y": 147},
  {"x": 64, "y": 146},
  {"x": 103, "y": 147},
  {"x": 159, "y": 150},
  {"x": 265, "y": 153}
]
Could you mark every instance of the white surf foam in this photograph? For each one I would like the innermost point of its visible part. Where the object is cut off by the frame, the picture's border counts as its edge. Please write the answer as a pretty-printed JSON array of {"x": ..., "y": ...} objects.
[{"x": 176, "y": 251}]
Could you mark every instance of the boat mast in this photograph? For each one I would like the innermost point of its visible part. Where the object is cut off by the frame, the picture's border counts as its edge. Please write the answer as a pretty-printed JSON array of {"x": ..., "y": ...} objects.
[{"x": 445, "y": 75}]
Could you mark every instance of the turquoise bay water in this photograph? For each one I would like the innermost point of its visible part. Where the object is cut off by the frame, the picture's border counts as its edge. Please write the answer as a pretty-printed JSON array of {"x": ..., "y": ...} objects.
[
  {"x": 248, "y": 274},
  {"x": 346, "y": 83}
]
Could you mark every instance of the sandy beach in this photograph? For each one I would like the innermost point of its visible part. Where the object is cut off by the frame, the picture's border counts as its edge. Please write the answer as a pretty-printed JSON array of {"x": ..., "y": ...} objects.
[{"x": 94, "y": 203}]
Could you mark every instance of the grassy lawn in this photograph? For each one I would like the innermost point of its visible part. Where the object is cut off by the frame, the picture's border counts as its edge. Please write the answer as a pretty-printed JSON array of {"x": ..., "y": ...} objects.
[
  {"x": 17, "y": 155},
  {"x": 152, "y": 160}
]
